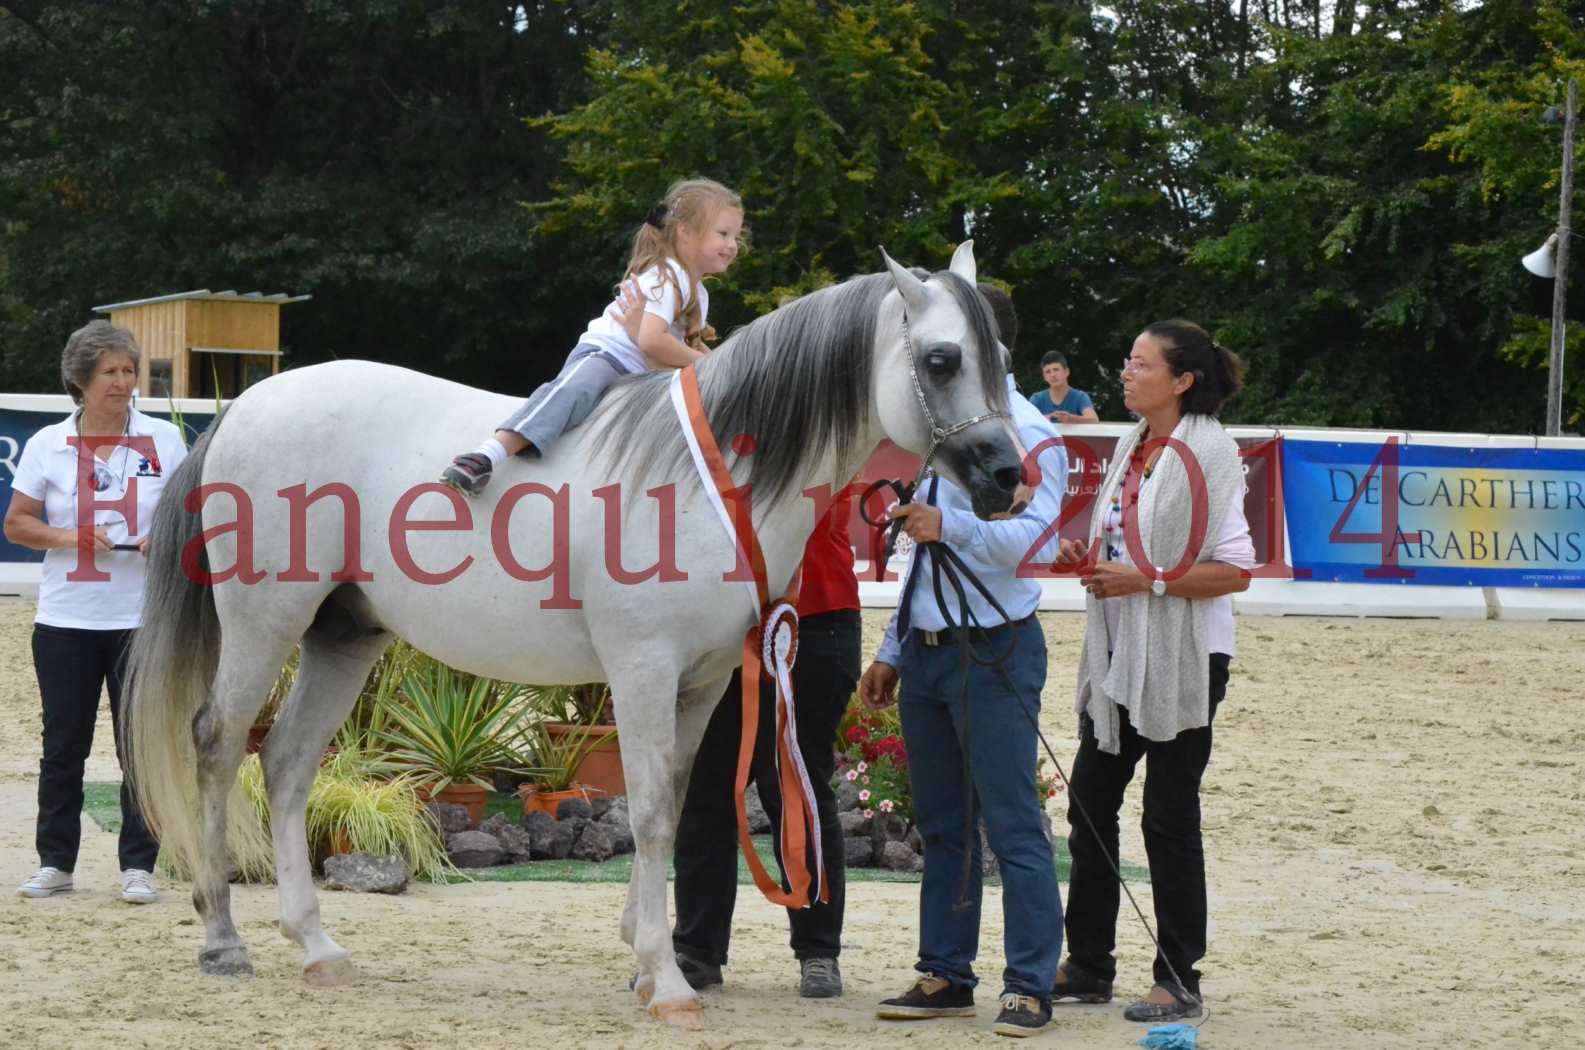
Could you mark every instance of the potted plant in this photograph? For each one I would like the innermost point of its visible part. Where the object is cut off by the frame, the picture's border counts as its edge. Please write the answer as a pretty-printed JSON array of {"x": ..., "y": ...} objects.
[
  {"x": 871, "y": 754},
  {"x": 577, "y": 714},
  {"x": 558, "y": 759},
  {"x": 352, "y": 810},
  {"x": 450, "y": 731}
]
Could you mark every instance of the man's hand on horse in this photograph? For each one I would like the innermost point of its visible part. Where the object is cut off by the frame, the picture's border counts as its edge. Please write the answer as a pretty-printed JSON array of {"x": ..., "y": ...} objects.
[
  {"x": 921, "y": 521},
  {"x": 878, "y": 687}
]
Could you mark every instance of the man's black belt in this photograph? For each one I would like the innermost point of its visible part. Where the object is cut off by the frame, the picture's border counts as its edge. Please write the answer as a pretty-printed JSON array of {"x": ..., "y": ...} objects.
[{"x": 950, "y": 635}]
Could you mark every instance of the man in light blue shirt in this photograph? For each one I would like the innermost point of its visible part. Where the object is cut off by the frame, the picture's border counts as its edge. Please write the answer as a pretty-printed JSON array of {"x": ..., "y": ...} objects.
[{"x": 994, "y": 721}]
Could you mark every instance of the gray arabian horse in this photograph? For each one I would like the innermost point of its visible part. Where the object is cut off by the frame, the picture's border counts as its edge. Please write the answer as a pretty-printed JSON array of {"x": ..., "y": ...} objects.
[{"x": 818, "y": 383}]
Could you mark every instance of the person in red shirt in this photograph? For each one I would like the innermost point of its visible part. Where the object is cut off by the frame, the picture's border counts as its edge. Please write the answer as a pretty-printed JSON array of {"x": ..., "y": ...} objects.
[{"x": 705, "y": 852}]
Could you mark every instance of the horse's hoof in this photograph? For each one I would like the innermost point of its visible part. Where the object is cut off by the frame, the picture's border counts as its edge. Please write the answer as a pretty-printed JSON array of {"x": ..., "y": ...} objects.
[
  {"x": 225, "y": 962},
  {"x": 330, "y": 973},
  {"x": 644, "y": 985},
  {"x": 686, "y": 1014}
]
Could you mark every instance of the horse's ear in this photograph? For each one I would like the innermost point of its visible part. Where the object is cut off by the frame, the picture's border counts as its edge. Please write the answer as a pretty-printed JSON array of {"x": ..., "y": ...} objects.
[
  {"x": 963, "y": 262},
  {"x": 912, "y": 288}
]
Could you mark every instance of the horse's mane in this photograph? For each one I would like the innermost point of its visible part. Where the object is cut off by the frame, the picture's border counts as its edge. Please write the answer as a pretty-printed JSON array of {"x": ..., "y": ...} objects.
[{"x": 796, "y": 380}]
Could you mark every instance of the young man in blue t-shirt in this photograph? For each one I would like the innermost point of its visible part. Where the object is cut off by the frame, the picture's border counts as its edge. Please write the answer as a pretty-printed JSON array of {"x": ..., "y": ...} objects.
[{"x": 1061, "y": 403}]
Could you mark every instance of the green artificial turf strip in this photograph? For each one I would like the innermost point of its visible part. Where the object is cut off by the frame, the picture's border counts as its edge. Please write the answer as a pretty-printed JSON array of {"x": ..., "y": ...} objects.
[{"x": 102, "y": 802}]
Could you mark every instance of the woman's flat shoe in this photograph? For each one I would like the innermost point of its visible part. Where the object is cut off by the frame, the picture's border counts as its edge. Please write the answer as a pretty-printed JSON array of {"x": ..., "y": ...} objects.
[{"x": 1147, "y": 1012}]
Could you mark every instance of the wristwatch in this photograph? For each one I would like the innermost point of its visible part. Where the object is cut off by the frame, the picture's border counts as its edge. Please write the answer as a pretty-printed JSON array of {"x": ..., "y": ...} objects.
[{"x": 1158, "y": 586}]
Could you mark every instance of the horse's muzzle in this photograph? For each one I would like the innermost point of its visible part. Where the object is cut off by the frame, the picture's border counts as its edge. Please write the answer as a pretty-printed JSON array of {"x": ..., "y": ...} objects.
[{"x": 991, "y": 475}]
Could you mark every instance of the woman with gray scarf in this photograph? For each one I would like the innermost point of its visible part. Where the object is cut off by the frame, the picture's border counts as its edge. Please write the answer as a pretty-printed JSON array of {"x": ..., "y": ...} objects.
[{"x": 1168, "y": 544}]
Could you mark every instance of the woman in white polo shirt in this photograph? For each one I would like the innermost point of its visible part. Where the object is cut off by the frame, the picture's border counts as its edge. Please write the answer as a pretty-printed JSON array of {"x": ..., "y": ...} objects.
[
  {"x": 105, "y": 452},
  {"x": 1170, "y": 544}
]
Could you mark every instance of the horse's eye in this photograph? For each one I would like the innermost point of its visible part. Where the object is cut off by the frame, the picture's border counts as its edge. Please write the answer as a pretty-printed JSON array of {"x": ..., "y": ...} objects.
[{"x": 943, "y": 360}]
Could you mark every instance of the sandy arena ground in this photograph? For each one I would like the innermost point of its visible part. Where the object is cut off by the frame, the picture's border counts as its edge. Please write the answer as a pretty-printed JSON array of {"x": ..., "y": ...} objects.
[{"x": 1393, "y": 817}]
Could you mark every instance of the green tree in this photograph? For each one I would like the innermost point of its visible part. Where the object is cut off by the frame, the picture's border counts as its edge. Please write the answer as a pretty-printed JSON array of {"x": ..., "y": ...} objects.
[
  {"x": 372, "y": 153},
  {"x": 1371, "y": 277},
  {"x": 825, "y": 117}
]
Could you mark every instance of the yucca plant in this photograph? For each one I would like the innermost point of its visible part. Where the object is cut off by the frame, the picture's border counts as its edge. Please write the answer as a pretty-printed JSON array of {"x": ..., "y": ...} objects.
[
  {"x": 371, "y": 714},
  {"x": 585, "y": 705},
  {"x": 445, "y": 726},
  {"x": 556, "y": 760}
]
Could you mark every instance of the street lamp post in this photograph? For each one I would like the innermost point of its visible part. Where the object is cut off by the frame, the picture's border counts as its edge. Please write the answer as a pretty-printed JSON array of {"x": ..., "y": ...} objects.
[{"x": 1554, "y": 383}]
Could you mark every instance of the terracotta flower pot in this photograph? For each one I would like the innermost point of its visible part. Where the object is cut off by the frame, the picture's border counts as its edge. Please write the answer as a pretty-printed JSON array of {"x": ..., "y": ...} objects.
[
  {"x": 546, "y": 801},
  {"x": 601, "y": 768},
  {"x": 464, "y": 793}
]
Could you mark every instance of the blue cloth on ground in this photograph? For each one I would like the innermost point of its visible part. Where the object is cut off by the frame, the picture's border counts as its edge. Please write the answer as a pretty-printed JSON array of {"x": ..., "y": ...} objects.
[{"x": 1170, "y": 1037}]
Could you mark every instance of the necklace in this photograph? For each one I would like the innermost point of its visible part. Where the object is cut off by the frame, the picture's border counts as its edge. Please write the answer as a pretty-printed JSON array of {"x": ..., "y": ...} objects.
[{"x": 1113, "y": 526}]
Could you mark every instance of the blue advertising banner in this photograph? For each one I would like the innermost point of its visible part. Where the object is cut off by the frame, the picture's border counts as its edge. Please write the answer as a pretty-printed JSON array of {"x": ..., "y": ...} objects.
[
  {"x": 1435, "y": 514},
  {"x": 17, "y": 425}
]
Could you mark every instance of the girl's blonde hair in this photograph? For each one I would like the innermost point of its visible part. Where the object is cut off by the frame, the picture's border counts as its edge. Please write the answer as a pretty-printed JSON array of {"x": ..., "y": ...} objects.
[{"x": 692, "y": 203}]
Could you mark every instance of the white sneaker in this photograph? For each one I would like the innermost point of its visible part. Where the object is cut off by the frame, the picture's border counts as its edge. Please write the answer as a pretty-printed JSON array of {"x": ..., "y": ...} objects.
[
  {"x": 137, "y": 887},
  {"x": 46, "y": 882}
]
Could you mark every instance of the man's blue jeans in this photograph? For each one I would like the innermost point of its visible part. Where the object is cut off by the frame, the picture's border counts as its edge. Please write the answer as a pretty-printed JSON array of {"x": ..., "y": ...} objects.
[{"x": 1001, "y": 741}]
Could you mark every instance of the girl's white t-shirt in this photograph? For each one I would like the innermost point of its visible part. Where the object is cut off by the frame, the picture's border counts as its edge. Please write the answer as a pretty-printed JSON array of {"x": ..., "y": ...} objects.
[
  {"x": 661, "y": 300},
  {"x": 47, "y": 472}
]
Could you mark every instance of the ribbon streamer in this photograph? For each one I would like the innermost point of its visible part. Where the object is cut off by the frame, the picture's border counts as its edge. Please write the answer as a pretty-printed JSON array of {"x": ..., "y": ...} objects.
[{"x": 763, "y": 652}]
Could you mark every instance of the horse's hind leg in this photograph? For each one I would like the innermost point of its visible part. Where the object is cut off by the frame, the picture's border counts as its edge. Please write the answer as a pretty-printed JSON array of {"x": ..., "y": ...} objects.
[
  {"x": 330, "y": 675},
  {"x": 220, "y": 730}
]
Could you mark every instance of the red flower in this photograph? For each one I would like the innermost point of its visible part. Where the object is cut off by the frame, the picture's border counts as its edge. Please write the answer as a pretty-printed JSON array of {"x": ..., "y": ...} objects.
[
  {"x": 892, "y": 747},
  {"x": 857, "y": 734}
]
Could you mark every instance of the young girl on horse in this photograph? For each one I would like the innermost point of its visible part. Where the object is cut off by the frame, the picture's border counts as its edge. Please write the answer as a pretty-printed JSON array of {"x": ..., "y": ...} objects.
[{"x": 692, "y": 233}]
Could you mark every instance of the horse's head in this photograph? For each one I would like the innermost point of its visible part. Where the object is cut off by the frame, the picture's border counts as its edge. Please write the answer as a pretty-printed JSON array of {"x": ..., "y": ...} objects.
[{"x": 939, "y": 386}]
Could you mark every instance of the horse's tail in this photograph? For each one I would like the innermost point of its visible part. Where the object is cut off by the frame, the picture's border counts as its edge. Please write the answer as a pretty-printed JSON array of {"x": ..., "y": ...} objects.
[{"x": 170, "y": 668}]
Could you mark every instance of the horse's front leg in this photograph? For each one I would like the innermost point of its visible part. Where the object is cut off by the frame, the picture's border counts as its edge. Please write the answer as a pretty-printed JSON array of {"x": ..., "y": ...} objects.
[
  {"x": 694, "y": 709},
  {"x": 646, "y": 706}
]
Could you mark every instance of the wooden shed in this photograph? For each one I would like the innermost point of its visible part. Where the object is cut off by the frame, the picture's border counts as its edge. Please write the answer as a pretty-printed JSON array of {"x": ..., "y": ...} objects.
[{"x": 203, "y": 343}]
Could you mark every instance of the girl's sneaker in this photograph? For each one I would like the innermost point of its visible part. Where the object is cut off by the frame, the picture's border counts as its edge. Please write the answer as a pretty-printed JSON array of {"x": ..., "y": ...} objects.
[
  {"x": 46, "y": 882},
  {"x": 468, "y": 473}
]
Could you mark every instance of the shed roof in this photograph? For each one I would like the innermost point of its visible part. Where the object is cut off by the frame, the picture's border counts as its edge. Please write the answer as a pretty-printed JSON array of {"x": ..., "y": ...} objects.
[{"x": 279, "y": 298}]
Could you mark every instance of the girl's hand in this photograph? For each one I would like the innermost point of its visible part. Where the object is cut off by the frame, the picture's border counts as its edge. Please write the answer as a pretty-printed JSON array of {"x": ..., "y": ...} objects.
[
  {"x": 1110, "y": 579},
  {"x": 628, "y": 310}
]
